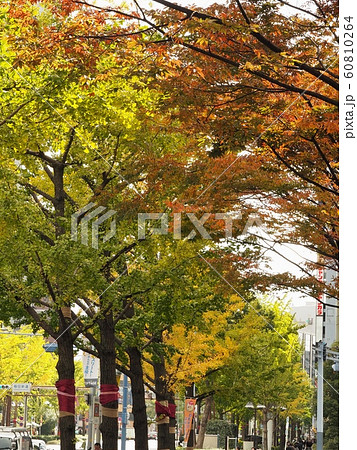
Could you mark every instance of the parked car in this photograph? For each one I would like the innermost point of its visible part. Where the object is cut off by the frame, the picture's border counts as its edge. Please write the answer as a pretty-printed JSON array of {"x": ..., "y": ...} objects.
[
  {"x": 152, "y": 434},
  {"x": 39, "y": 444},
  {"x": 254, "y": 438},
  {"x": 15, "y": 439}
]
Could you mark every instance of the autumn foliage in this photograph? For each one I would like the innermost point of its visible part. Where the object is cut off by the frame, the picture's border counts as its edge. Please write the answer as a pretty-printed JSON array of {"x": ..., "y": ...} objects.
[{"x": 228, "y": 109}]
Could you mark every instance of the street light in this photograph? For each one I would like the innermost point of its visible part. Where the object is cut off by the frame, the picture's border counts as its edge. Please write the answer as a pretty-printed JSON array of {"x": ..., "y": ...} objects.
[{"x": 255, "y": 407}]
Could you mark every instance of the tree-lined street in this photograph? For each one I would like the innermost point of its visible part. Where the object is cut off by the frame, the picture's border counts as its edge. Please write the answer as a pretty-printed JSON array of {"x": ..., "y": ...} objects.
[{"x": 151, "y": 160}]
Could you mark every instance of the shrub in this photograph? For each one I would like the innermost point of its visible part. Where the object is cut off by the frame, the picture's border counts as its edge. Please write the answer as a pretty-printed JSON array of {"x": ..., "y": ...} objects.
[{"x": 223, "y": 429}]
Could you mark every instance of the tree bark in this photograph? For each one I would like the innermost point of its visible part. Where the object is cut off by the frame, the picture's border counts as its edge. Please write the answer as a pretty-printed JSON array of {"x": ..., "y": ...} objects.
[
  {"x": 138, "y": 396},
  {"x": 107, "y": 355},
  {"x": 204, "y": 421},
  {"x": 65, "y": 370},
  {"x": 166, "y": 431},
  {"x": 282, "y": 434}
]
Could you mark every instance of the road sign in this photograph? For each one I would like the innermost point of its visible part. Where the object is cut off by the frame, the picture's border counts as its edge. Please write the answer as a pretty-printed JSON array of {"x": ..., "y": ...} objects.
[
  {"x": 51, "y": 347},
  {"x": 21, "y": 387},
  {"x": 90, "y": 368},
  {"x": 90, "y": 382}
]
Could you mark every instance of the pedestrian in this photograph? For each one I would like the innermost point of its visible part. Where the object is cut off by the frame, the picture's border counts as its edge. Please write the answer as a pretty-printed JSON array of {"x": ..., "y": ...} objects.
[
  {"x": 289, "y": 446},
  {"x": 308, "y": 443},
  {"x": 97, "y": 446}
]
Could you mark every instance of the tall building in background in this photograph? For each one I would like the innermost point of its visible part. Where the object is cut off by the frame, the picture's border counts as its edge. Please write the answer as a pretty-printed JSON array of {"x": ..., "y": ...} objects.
[
  {"x": 305, "y": 316},
  {"x": 326, "y": 329},
  {"x": 319, "y": 321}
]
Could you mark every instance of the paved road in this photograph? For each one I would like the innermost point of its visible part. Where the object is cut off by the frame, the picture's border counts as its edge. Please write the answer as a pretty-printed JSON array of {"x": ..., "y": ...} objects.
[{"x": 130, "y": 445}]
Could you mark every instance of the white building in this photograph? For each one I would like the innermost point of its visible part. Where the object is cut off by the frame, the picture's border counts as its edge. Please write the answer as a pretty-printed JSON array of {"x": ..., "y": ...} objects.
[{"x": 319, "y": 321}]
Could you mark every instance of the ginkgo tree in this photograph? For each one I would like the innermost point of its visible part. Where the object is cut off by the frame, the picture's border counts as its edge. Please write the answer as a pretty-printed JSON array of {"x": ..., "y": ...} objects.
[
  {"x": 264, "y": 365},
  {"x": 68, "y": 151},
  {"x": 70, "y": 145},
  {"x": 22, "y": 358}
]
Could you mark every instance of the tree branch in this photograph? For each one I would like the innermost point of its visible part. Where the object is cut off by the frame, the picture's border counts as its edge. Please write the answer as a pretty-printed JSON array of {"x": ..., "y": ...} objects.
[
  {"x": 299, "y": 174},
  {"x": 12, "y": 114},
  {"x": 39, "y": 192},
  {"x": 68, "y": 146}
]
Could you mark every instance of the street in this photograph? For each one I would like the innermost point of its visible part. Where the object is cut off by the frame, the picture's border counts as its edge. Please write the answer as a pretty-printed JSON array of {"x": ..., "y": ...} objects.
[{"x": 130, "y": 445}]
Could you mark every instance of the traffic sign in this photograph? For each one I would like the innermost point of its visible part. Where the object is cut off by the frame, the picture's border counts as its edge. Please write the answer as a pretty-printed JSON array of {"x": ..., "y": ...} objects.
[
  {"x": 90, "y": 382},
  {"x": 52, "y": 347},
  {"x": 21, "y": 387}
]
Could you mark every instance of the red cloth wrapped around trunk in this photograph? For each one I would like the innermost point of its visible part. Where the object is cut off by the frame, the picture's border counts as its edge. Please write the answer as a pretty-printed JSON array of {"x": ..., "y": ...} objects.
[
  {"x": 108, "y": 393},
  {"x": 66, "y": 395},
  {"x": 166, "y": 410}
]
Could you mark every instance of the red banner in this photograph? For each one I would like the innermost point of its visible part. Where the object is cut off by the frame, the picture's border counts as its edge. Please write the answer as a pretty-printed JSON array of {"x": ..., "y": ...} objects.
[
  {"x": 166, "y": 408},
  {"x": 190, "y": 404},
  {"x": 66, "y": 397},
  {"x": 320, "y": 277},
  {"x": 108, "y": 393}
]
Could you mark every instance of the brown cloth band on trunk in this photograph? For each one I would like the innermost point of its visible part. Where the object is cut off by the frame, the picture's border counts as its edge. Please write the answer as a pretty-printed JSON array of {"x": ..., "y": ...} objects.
[
  {"x": 65, "y": 414},
  {"x": 109, "y": 412}
]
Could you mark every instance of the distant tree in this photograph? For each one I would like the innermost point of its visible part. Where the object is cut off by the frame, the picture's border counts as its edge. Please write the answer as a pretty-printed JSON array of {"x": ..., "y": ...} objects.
[
  {"x": 264, "y": 366},
  {"x": 331, "y": 405},
  {"x": 22, "y": 358}
]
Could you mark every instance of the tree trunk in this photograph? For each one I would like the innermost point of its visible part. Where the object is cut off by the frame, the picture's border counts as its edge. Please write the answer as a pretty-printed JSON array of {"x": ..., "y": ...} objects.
[
  {"x": 166, "y": 432},
  {"x": 65, "y": 370},
  {"x": 282, "y": 434},
  {"x": 265, "y": 429},
  {"x": 245, "y": 430},
  {"x": 138, "y": 395},
  {"x": 107, "y": 355},
  {"x": 204, "y": 421}
]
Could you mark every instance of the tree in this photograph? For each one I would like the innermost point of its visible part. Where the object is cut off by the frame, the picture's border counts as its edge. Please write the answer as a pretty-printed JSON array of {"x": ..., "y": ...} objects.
[
  {"x": 23, "y": 359},
  {"x": 331, "y": 404},
  {"x": 49, "y": 181},
  {"x": 264, "y": 367},
  {"x": 93, "y": 131},
  {"x": 216, "y": 64},
  {"x": 55, "y": 167},
  {"x": 227, "y": 58}
]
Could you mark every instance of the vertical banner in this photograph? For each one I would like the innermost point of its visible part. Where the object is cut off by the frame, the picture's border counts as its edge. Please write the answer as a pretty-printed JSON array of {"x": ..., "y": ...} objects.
[
  {"x": 319, "y": 306},
  {"x": 90, "y": 370},
  {"x": 190, "y": 404}
]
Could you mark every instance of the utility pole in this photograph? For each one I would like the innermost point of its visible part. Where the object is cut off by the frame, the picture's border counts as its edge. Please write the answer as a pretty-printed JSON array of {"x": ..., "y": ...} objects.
[
  {"x": 322, "y": 354},
  {"x": 25, "y": 411},
  {"x": 90, "y": 402},
  {"x": 8, "y": 410},
  {"x": 320, "y": 395},
  {"x": 124, "y": 416}
]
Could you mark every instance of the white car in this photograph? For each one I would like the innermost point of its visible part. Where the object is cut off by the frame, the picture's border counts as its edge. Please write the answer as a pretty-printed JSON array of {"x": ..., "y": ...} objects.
[
  {"x": 15, "y": 438},
  {"x": 152, "y": 434},
  {"x": 39, "y": 444}
]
